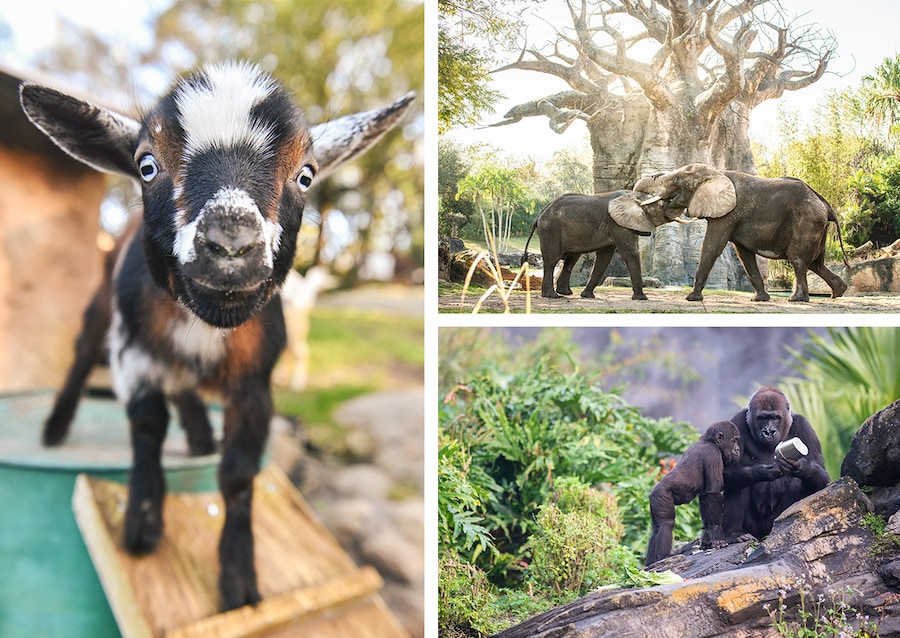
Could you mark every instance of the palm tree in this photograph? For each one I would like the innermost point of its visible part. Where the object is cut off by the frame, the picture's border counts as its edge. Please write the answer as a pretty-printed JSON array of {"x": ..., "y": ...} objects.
[
  {"x": 881, "y": 94},
  {"x": 843, "y": 380}
]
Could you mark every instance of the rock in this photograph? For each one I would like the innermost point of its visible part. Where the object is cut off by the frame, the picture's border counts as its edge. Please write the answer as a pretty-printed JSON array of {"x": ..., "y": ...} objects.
[
  {"x": 893, "y": 524},
  {"x": 874, "y": 455},
  {"x": 362, "y": 481},
  {"x": 816, "y": 544},
  {"x": 867, "y": 277},
  {"x": 625, "y": 282},
  {"x": 348, "y": 519},
  {"x": 862, "y": 251},
  {"x": 392, "y": 554},
  {"x": 358, "y": 502}
]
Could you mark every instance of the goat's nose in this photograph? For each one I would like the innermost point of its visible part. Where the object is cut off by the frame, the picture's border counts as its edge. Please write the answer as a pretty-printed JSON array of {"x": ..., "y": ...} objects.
[{"x": 230, "y": 241}]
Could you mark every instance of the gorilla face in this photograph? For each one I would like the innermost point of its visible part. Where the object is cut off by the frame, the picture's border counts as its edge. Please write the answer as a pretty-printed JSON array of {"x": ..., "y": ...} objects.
[{"x": 769, "y": 417}]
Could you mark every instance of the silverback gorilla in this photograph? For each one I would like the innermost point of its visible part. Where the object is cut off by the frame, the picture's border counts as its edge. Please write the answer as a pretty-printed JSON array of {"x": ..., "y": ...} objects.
[
  {"x": 760, "y": 487},
  {"x": 699, "y": 472}
]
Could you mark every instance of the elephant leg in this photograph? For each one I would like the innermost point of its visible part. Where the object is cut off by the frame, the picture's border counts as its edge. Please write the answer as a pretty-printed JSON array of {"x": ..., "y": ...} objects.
[
  {"x": 837, "y": 285},
  {"x": 713, "y": 245},
  {"x": 547, "y": 289},
  {"x": 801, "y": 288},
  {"x": 632, "y": 260},
  {"x": 748, "y": 259},
  {"x": 562, "y": 284},
  {"x": 601, "y": 262}
]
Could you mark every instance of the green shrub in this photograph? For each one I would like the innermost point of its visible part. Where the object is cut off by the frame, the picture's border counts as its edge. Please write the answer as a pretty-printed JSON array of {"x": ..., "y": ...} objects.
[
  {"x": 523, "y": 430},
  {"x": 464, "y": 599},
  {"x": 576, "y": 545}
]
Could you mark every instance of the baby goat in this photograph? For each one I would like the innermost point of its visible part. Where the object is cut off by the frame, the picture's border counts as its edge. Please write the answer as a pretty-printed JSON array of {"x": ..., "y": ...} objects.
[{"x": 225, "y": 160}]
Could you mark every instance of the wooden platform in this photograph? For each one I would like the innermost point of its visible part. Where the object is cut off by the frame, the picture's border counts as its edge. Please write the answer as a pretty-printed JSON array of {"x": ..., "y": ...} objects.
[{"x": 310, "y": 587}]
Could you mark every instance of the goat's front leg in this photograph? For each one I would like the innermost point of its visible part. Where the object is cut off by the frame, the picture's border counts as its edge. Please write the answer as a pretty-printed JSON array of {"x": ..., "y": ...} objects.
[
  {"x": 246, "y": 429},
  {"x": 195, "y": 422},
  {"x": 149, "y": 418}
]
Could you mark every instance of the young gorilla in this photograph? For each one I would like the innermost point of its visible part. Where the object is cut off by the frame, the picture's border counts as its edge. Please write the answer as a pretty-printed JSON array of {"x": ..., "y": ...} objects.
[
  {"x": 699, "y": 472},
  {"x": 761, "y": 486}
]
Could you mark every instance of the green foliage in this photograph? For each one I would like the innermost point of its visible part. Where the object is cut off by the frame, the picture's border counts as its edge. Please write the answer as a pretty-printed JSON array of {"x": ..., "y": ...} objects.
[
  {"x": 469, "y": 32},
  {"x": 881, "y": 94},
  {"x": 874, "y": 523},
  {"x": 842, "y": 380},
  {"x": 845, "y": 154},
  {"x": 531, "y": 427},
  {"x": 465, "y": 598},
  {"x": 453, "y": 213},
  {"x": 498, "y": 194},
  {"x": 576, "y": 545},
  {"x": 876, "y": 214},
  {"x": 460, "y": 501}
]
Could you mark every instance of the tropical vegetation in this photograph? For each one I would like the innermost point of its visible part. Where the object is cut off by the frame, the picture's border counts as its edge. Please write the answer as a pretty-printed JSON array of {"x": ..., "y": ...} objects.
[{"x": 544, "y": 468}]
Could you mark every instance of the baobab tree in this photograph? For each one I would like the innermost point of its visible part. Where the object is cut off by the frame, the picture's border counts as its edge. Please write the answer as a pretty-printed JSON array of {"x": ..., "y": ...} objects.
[
  {"x": 662, "y": 83},
  {"x": 667, "y": 82}
]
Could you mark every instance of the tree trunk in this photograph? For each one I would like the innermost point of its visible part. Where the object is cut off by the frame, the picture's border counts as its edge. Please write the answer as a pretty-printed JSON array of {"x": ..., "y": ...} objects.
[
  {"x": 730, "y": 140},
  {"x": 617, "y": 139}
]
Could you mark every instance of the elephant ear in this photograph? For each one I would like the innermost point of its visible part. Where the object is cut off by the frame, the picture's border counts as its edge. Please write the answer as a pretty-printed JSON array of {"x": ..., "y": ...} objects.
[
  {"x": 627, "y": 212},
  {"x": 715, "y": 197}
]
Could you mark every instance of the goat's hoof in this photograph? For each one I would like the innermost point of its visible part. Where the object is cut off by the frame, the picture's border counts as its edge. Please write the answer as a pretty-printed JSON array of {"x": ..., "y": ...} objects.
[
  {"x": 237, "y": 592},
  {"x": 201, "y": 448},
  {"x": 54, "y": 434},
  {"x": 143, "y": 528}
]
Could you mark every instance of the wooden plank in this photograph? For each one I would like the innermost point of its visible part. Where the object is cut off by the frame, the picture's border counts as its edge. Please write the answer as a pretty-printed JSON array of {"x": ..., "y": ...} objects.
[
  {"x": 302, "y": 571},
  {"x": 286, "y": 610},
  {"x": 103, "y": 552}
]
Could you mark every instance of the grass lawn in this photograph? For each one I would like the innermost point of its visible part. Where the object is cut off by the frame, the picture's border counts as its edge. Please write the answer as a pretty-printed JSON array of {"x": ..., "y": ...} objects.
[{"x": 353, "y": 352}]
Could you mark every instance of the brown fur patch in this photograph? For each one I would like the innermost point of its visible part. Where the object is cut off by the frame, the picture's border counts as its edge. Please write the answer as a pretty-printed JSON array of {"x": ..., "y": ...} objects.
[{"x": 243, "y": 349}]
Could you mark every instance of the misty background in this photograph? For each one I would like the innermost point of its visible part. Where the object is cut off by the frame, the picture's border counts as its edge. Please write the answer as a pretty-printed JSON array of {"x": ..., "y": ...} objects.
[{"x": 697, "y": 375}]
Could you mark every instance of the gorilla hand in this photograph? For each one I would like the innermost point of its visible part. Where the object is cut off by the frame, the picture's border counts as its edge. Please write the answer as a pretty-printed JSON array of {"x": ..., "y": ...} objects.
[
  {"x": 766, "y": 472},
  {"x": 801, "y": 468}
]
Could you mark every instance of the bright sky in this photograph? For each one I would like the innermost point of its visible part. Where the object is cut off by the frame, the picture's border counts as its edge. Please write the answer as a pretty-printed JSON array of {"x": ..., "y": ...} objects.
[
  {"x": 35, "y": 27},
  {"x": 866, "y": 32}
]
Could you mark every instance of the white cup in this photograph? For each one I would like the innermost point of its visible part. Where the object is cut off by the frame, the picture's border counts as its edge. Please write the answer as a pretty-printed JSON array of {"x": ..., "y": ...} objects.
[{"x": 792, "y": 449}]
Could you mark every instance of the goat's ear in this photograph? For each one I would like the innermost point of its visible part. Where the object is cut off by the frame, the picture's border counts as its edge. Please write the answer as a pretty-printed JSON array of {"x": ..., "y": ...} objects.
[
  {"x": 347, "y": 137},
  {"x": 98, "y": 137}
]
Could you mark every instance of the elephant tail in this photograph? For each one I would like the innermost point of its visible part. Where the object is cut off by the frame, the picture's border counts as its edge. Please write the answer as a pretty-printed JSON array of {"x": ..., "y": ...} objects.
[
  {"x": 832, "y": 217},
  {"x": 531, "y": 234}
]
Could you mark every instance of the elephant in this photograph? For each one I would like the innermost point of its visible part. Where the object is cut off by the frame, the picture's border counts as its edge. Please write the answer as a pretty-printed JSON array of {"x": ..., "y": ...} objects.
[
  {"x": 780, "y": 218},
  {"x": 574, "y": 224}
]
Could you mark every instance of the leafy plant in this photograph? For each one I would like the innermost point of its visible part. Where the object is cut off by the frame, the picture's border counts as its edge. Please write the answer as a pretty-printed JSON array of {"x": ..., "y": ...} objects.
[
  {"x": 460, "y": 501},
  {"x": 842, "y": 380},
  {"x": 576, "y": 544},
  {"x": 529, "y": 428},
  {"x": 464, "y": 599}
]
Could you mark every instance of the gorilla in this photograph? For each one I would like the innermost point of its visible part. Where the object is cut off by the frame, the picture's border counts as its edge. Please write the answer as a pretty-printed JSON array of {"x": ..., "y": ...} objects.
[
  {"x": 699, "y": 472},
  {"x": 760, "y": 486}
]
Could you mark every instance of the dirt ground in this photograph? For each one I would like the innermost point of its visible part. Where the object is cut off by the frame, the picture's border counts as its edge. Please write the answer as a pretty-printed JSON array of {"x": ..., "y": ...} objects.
[{"x": 669, "y": 301}]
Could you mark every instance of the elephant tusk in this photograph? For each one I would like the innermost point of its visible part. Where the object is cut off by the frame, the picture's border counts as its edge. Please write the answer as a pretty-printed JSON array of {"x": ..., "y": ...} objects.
[
  {"x": 652, "y": 200},
  {"x": 686, "y": 221}
]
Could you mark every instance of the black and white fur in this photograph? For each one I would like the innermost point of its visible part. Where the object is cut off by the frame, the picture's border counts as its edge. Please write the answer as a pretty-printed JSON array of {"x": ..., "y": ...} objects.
[{"x": 190, "y": 301}]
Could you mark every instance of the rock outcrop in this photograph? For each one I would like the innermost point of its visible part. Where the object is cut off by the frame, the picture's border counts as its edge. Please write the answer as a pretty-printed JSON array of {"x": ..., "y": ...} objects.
[{"x": 820, "y": 546}]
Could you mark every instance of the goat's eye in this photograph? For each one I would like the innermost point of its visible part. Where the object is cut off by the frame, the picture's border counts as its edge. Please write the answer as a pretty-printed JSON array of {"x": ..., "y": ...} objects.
[
  {"x": 305, "y": 177},
  {"x": 148, "y": 167}
]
